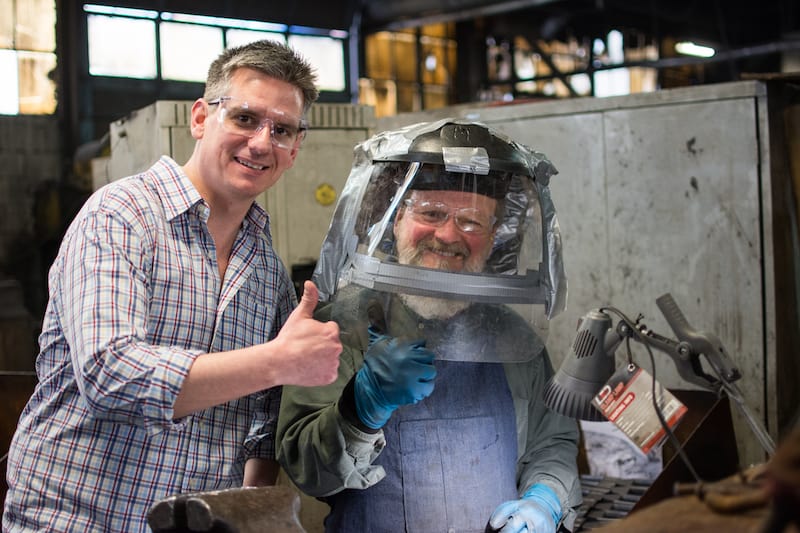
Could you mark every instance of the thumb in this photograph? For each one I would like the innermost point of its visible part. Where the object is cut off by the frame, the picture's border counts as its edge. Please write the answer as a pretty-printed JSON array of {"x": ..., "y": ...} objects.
[
  {"x": 502, "y": 514},
  {"x": 308, "y": 302}
]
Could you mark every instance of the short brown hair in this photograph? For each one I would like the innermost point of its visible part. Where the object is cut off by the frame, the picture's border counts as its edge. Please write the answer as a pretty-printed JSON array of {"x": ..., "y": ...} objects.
[{"x": 274, "y": 59}]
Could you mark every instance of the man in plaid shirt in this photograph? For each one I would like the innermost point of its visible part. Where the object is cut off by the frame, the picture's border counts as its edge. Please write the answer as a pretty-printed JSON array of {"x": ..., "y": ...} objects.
[{"x": 171, "y": 322}]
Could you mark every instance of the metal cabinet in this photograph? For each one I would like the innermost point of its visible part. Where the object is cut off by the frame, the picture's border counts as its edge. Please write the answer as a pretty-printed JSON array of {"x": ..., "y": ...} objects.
[{"x": 303, "y": 200}]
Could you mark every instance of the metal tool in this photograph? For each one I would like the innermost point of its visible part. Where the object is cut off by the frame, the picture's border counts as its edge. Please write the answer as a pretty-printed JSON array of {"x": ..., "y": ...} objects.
[
  {"x": 240, "y": 510},
  {"x": 693, "y": 343},
  {"x": 686, "y": 353}
]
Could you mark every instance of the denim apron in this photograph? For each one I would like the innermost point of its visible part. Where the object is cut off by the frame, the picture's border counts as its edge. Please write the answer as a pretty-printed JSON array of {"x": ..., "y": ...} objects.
[{"x": 450, "y": 460}]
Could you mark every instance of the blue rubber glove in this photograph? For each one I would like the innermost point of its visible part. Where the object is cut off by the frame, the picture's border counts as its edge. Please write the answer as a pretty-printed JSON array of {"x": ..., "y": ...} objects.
[
  {"x": 537, "y": 511},
  {"x": 394, "y": 373}
]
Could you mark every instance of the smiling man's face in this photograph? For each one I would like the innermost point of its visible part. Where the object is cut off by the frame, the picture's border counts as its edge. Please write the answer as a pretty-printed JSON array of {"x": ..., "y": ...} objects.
[
  {"x": 444, "y": 246},
  {"x": 234, "y": 168}
]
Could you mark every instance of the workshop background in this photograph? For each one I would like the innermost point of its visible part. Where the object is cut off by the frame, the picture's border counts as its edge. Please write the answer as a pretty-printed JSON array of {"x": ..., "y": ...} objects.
[{"x": 677, "y": 173}]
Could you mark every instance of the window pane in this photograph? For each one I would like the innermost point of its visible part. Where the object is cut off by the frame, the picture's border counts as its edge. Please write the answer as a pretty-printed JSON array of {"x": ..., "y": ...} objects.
[
  {"x": 326, "y": 55},
  {"x": 6, "y": 24},
  {"x": 36, "y": 25},
  {"x": 9, "y": 89},
  {"x": 187, "y": 50},
  {"x": 405, "y": 55},
  {"x": 37, "y": 90},
  {"x": 120, "y": 46},
  {"x": 240, "y": 37},
  {"x": 614, "y": 82}
]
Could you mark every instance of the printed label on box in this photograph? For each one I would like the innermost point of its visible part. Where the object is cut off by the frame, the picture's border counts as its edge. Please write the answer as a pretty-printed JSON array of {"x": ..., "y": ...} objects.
[{"x": 627, "y": 401}]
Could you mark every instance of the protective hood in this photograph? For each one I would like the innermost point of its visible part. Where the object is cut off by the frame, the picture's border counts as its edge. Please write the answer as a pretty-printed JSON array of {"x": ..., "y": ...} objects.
[{"x": 446, "y": 215}]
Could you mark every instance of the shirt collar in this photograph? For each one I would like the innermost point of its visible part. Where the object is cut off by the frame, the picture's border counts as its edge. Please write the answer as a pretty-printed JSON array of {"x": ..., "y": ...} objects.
[
  {"x": 175, "y": 189},
  {"x": 179, "y": 195}
]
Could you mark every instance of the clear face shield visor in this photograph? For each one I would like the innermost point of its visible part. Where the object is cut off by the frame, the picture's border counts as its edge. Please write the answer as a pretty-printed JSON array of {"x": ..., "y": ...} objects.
[{"x": 456, "y": 257}]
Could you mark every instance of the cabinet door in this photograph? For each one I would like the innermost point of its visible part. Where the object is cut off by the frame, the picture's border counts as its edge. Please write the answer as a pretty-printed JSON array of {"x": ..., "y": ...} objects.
[{"x": 663, "y": 198}]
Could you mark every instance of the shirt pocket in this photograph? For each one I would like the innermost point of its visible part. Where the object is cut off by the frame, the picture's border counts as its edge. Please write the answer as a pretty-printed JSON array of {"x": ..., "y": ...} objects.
[{"x": 253, "y": 311}]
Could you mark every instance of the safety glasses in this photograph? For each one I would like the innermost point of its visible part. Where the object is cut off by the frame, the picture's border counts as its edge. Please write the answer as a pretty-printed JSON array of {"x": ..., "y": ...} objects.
[
  {"x": 467, "y": 219},
  {"x": 239, "y": 118}
]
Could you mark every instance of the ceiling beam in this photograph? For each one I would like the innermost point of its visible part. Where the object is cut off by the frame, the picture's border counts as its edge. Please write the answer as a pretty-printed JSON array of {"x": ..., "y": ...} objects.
[{"x": 397, "y": 22}]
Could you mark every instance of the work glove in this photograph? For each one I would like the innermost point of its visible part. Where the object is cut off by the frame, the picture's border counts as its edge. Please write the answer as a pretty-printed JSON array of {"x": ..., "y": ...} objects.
[
  {"x": 394, "y": 373},
  {"x": 538, "y": 511}
]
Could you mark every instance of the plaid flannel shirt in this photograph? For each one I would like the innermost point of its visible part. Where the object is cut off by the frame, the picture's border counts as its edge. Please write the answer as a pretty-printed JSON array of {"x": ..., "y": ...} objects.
[{"x": 135, "y": 297}]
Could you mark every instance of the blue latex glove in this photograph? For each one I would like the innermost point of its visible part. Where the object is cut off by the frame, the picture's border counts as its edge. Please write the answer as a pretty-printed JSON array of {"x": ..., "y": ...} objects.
[
  {"x": 537, "y": 511},
  {"x": 394, "y": 373}
]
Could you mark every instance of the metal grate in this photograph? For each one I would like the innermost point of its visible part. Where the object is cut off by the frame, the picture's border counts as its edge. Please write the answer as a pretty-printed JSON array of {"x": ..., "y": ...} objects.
[{"x": 606, "y": 499}]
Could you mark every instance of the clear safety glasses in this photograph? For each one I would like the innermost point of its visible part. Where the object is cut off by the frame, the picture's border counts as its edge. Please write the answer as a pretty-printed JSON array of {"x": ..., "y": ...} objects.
[
  {"x": 467, "y": 219},
  {"x": 238, "y": 118}
]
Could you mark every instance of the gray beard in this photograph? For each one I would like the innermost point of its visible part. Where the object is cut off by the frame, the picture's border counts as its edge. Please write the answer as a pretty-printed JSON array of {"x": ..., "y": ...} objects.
[{"x": 429, "y": 307}]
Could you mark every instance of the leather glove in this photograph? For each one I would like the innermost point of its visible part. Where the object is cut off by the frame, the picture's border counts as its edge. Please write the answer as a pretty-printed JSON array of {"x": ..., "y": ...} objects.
[
  {"x": 537, "y": 511},
  {"x": 394, "y": 373}
]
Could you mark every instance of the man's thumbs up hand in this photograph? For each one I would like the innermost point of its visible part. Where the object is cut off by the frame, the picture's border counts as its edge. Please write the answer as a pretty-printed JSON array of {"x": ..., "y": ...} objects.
[
  {"x": 309, "y": 348},
  {"x": 308, "y": 302}
]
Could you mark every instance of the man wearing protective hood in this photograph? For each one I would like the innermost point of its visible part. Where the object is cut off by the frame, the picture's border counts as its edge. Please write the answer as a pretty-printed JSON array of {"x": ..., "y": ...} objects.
[{"x": 441, "y": 267}]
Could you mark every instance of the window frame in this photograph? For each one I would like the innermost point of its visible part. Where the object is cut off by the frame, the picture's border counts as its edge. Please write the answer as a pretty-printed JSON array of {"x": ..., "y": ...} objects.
[
  {"x": 101, "y": 100},
  {"x": 223, "y": 24}
]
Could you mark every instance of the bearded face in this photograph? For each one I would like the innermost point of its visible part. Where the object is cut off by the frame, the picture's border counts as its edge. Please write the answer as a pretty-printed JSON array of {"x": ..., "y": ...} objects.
[
  {"x": 438, "y": 239},
  {"x": 431, "y": 253}
]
